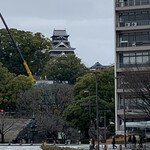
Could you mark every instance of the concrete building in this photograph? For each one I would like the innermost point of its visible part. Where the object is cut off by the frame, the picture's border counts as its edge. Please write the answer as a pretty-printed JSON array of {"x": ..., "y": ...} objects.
[
  {"x": 60, "y": 44},
  {"x": 132, "y": 50}
]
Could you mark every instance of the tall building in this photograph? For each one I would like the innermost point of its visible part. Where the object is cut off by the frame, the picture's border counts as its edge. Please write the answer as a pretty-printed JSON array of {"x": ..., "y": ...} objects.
[
  {"x": 132, "y": 50},
  {"x": 60, "y": 44}
]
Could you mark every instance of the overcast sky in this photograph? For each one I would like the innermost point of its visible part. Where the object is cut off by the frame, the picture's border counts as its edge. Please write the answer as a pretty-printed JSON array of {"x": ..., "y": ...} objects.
[{"x": 88, "y": 22}]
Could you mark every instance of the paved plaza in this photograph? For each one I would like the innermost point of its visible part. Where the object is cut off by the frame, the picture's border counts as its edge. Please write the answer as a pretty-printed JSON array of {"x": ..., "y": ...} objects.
[
  {"x": 20, "y": 148},
  {"x": 37, "y": 147}
]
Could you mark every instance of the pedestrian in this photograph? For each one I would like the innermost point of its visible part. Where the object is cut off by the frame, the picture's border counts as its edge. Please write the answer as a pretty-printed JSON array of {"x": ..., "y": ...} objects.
[
  {"x": 114, "y": 142},
  {"x": 141, "y": 141},
  {"x": 93, "y": 142},
  {"x": 91, "y": 147},
  {"x": 134, "y": 140},
  {"x": 129, "y": 140}
]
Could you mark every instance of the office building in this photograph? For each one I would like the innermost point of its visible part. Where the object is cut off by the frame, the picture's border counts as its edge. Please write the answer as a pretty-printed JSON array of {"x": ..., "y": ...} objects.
[{"x": 132, "y": 50}]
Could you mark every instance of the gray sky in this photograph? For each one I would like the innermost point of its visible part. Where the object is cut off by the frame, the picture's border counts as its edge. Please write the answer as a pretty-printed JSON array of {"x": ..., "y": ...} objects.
[{"x": 88, "y": 22}]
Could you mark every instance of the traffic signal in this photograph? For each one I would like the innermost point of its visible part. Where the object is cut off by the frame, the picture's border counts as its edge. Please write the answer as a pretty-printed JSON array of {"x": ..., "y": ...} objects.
[{"x": 2, "y": 110}]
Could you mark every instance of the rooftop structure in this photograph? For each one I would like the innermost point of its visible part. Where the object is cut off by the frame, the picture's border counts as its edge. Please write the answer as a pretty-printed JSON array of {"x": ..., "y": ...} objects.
[
  {"x": 98, "y": 66},
  {"x": 60, "y": 44}
]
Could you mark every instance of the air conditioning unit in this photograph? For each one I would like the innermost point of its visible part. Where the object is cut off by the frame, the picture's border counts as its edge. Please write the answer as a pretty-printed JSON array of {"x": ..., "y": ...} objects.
[
  {"x": 127, "y": 24},
  {"x": 134, "y": 24},
  {"x": 124, "y": 43}
]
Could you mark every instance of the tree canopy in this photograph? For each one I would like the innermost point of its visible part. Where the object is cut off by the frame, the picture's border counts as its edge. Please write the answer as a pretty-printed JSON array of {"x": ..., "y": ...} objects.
[
  {"x": 84, "y": 91},
  {"x": 64, "y": 68},
  {"x": 10, "y": 86},
  {"x": 85, "y": 85},
  {"x": 30, "y": 45}
]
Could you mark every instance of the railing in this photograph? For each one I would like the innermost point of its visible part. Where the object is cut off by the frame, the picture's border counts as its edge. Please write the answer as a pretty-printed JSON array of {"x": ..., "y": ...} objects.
[
  {"x": 133, "y": 23},
  {"x": 129, "y": 65},
  {"x": 133, "y": 3},
  {"x": 133, "y": 43},
  {"x": 128, "y": 107}
]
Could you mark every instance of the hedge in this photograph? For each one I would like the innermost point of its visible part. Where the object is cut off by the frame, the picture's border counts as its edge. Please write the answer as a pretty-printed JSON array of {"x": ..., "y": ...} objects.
[{"x": 49, "y": 147}]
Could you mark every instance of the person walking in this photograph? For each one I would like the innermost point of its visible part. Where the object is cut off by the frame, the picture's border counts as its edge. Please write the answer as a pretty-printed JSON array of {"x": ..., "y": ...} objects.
[
  {"x": 141, "y": 141},
  {"x": 114, "y": 142},
  {"x": 93, "y": 142},
  {"x": 134, "y": 140},
  {"x": 129, "y": 140}
]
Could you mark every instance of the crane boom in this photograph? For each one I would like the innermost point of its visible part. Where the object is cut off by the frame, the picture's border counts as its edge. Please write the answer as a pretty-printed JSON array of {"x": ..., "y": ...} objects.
[{"x": 14, "y": 42}]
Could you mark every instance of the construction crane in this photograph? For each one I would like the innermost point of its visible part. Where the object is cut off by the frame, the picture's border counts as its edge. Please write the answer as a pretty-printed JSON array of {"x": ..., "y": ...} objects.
[{"x": 14, "y": 42}]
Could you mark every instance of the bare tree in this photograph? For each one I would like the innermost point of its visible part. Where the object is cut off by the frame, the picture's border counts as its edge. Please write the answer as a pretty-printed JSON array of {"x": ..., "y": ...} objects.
[
  {"x": 48, "y": 102},
  {"x": 10, "y": 125},
  {"x": 137, "y": 88}
]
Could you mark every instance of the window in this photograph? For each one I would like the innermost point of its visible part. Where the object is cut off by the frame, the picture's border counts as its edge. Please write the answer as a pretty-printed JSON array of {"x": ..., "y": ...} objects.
[
  {"x": 144, "y": 2},
  {"x": 137, "y": 2},
  {"x": 131, "y": 2},
  {"x": 134, "y": 58}
]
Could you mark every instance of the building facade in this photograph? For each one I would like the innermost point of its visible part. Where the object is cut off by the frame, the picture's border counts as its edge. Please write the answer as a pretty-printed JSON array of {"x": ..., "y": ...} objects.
[
  {"x": 60, "y": 44},
  {"x": 132, "y": 50}
]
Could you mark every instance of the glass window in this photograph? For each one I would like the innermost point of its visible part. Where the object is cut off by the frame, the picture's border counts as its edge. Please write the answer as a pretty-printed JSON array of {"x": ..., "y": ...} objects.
[
  {"x": 139, "y": 59},
  {"x": 138, "y": 37},
  {"x": 131, "y": 2},
  {"x": 144, "y": 2},
  {"x": 131, "y": 16},
  {"x": 132, "y": 60},
  {"x": 139, "y": 16},
  {"x": 139, "y": 54},
  {"x": 132, "y": 54},
  {"x": 126, "y": 54},
  {"x": 145, "y": 37},
  {"x": 137, "y": 2},
  {"x": 124, "y": 37},
  {"x": 145, "y": 15},
  {"x": 145, "y": 59},
  {"x": 125, "y": 60},
  {"x": 145, "y": 53}
]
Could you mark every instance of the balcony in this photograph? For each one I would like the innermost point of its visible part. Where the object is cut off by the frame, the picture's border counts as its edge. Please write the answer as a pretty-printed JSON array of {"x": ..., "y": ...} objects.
[
  {"x": 131, "y": 112},
  {"x": 133, "y": 25},
  {"x": 133, "y": 3},
  {"x": 120, "y": 67},
  {"x": 133, "y": 44}
]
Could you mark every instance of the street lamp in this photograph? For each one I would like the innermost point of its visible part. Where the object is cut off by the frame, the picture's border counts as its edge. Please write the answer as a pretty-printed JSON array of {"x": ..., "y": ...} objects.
[{"x": 97, "y": 107}]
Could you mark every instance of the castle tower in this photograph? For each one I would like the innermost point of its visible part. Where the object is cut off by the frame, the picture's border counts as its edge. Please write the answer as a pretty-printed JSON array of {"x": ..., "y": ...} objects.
[{"x": 60, "y": 44}]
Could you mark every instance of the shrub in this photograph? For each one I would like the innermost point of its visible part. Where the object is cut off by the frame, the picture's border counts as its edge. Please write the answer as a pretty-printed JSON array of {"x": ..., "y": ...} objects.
[{"x": 49, "y": 147}]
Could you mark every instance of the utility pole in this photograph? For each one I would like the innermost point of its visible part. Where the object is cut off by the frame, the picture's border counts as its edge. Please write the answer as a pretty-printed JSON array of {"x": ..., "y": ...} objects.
[{"x": 97, "y": 111}]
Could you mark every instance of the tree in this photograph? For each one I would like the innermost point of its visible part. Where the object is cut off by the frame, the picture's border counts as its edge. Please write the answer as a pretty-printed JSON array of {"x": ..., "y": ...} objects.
[
  {"x": 137, "y": 89},
  {"x": 64, "y": 68},
  {"x": 79, "y": 113},
  {"x": 8, "y": 124},
  {"x": 10, "y": 86},
  {"x": 84, "y": 92},
  {"x": 85, "y": 85},
  {"x": 48, "y": 102},
  {"x": 30, "y": 45}
]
